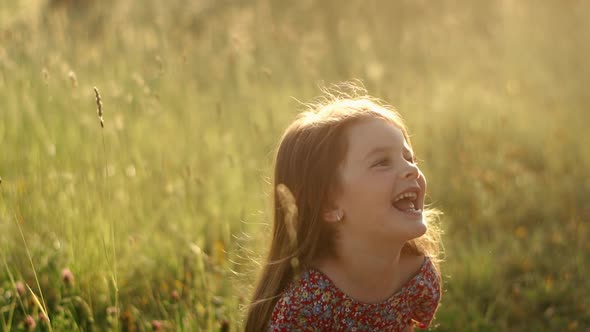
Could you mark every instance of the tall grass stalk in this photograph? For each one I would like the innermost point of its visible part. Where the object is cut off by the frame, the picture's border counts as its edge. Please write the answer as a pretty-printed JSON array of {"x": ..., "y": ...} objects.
[
  {"x": 41, "y": 304},
  {"x": 5, "y": 327},
  {"x": 13, "y": 305},
  {"x": 112, "y": 266},
  {"x": 8, "y": 327}
]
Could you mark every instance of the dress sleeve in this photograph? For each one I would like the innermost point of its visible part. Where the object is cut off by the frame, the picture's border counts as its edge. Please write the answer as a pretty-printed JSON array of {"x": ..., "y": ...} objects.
[{"x": 425, "y": 304}]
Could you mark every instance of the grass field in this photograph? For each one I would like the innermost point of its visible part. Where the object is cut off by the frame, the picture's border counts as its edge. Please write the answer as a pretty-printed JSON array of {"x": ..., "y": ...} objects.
[{"x": 155, "y": 221}]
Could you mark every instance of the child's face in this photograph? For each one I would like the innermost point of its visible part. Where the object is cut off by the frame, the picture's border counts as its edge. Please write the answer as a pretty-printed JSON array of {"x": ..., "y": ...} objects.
[{"x": 378, "y": 168}]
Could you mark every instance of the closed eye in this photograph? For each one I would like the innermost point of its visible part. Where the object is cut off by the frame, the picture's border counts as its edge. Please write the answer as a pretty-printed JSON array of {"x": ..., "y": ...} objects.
[
  {"x": 412, "y": 159},
  {"x": 382, "y": 162}
]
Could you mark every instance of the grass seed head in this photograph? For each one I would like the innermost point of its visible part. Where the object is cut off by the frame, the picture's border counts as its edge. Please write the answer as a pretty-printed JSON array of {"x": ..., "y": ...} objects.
[
  {"x": 73, "y": 78},
  {"x": 99, "y": 106},
  {"x": 45, "y": 75},
  {"x": 289, "y": 206}
]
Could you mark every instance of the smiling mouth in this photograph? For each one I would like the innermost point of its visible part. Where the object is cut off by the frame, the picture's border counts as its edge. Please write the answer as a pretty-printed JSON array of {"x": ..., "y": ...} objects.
[{"x": 407, "y": 202}]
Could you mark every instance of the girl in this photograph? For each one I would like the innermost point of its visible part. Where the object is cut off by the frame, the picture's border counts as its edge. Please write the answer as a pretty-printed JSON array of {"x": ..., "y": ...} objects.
[{"x": 351, "y": 250}]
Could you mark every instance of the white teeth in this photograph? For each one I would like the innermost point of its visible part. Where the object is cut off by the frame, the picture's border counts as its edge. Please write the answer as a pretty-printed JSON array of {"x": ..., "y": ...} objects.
[
  {"x": 409, "y": 194},
  {"x": 412, "y": 208}
]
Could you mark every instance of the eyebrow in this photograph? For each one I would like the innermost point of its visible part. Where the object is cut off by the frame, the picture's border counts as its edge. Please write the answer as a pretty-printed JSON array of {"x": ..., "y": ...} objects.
[{"x": 381, "y": 149}]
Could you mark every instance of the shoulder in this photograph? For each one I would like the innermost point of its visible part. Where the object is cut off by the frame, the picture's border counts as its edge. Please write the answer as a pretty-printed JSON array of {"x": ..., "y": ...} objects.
[
  {"x": 431, "y": 275},
  {"x": 425, "y": 293},
  {"x": 300, "y": 307},
  {"x": 412, "y": 264},
  {"x": 418, "y": 266},
  {"x": 426, "y": 277}
]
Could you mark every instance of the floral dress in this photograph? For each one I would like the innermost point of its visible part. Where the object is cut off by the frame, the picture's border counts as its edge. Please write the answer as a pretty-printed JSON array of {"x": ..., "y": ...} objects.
[{"x": 314, "y": 303}]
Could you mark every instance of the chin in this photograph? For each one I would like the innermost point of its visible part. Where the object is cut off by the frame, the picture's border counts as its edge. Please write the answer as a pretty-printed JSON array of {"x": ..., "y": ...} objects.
[{"x": 416, "y": 230}]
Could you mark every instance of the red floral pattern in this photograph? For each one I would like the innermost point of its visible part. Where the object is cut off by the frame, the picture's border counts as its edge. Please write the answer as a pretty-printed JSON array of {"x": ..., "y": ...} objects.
[{"x": 314, "y": 303}]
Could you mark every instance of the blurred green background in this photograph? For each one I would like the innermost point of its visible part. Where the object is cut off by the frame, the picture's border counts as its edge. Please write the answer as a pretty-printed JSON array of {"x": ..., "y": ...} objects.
[{"x": 161, "y": 216}]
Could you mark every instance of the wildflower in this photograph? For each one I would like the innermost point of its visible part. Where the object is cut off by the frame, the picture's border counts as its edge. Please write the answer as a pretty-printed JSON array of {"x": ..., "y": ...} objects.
[
  {"x": 225, "y": 325},
  {"x": 157, "y": 325},
  {"x": 217, "y": 301},
  {"x": 175, "y": 296},
  {"x": 20, "y": 288},
  {"x": 127, "y": 320},
  {"x": 112, "y": 311},
  {"x": 43, "y": 319},
  {"x": 30, "y": 322},
  {"x": 67, "y": 276}
]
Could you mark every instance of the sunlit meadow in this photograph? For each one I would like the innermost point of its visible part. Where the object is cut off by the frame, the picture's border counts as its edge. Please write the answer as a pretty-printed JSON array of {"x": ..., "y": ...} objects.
[{"x": 157, "y": 221}]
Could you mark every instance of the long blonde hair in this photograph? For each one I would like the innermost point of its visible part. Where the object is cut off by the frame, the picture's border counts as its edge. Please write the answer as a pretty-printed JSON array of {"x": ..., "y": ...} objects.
[{"x": 306, "y": 164}]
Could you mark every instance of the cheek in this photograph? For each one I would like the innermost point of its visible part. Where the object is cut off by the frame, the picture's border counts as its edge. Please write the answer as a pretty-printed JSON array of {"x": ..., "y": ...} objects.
[
  {"x": 351, "y": 191},
  {"x": 364, "y": 193}
]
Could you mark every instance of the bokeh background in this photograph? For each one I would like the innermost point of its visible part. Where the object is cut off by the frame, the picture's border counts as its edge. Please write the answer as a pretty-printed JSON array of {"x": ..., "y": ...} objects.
[{"x": 157, "y": 221}]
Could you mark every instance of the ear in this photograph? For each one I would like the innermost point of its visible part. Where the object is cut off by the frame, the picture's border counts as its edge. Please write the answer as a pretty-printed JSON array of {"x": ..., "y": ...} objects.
[{"x": 333, "y": 215}]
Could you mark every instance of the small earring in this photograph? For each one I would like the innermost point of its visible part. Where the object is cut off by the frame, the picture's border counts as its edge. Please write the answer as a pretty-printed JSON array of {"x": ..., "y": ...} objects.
[{"x": 338, "y": 216}]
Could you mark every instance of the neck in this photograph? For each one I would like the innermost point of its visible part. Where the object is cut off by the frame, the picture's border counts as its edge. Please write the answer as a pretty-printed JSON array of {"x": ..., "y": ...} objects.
[{"x": 366, "y": 273}]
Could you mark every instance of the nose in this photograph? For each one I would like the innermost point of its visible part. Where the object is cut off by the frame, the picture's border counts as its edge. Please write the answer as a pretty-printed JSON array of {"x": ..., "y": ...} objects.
[{"x": 411, "y": 171}]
